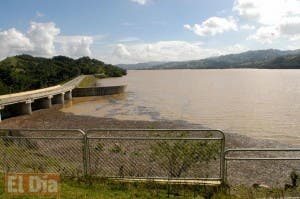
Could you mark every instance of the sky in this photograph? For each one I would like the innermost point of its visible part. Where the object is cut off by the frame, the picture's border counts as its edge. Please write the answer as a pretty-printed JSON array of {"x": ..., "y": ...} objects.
[{"x": 134, "y": 31}]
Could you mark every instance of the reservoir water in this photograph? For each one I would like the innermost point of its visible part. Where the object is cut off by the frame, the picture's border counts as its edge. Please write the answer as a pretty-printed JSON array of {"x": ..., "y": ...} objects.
[{"x": 258, "y": 103}]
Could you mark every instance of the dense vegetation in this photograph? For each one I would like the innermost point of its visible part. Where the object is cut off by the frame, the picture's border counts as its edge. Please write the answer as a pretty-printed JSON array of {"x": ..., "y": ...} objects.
[
  {"x": 24, "y": 72},
  {"x": 252, "y": 59}
]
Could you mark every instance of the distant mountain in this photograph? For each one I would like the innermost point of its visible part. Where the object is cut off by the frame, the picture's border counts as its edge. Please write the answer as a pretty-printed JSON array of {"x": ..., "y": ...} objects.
[
  {"x": 270, "y": 58},
  {"x": 140, "y": 65}
]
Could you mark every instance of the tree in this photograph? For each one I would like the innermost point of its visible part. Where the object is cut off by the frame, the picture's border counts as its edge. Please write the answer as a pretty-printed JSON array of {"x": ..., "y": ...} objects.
[
  {"x": 24, "y": 72},
  {"x": 179, "y": 156}
]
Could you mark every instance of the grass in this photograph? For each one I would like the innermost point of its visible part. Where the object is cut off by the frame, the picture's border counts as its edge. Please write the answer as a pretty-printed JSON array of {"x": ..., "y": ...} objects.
[
  {"x": 250, "y": 192},
  {"x": 88, "y": 81},
  {"x": 107, "y": 189},
  {"x": 97, "y": 188},
  {"x": 100, "y": 75}
]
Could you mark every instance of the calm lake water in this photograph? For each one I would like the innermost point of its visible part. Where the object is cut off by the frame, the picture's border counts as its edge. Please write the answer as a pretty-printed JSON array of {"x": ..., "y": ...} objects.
[{"x": 258, "y": 103}]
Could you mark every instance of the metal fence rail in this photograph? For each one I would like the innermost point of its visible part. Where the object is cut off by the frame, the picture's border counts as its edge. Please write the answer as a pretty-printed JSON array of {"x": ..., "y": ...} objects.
[
  {"x": 31, "y": 150},
  {"x": 270, "y": 166},
  {"x": 116, "y": 153},
  {"x": 156, "y": 153},
  {"x": 142, "y": 154}
]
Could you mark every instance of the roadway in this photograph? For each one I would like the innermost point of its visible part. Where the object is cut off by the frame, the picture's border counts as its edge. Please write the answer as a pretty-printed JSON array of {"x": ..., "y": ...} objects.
[{"x": 30, "y": 96}]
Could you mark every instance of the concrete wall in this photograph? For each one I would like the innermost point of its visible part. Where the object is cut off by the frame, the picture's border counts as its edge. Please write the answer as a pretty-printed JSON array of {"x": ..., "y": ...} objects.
[{"x": 98, "y": 91}]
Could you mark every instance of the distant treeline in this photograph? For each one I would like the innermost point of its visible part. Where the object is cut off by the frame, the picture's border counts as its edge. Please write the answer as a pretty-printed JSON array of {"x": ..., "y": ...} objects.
[
  {"x": 25, "y": 72},
  {"x": 270, "y": 59},
  {"x": 265, "y": 59}
]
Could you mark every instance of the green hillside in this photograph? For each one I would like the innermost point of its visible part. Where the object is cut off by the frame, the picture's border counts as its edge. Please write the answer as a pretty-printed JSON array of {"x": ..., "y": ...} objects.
[
  {"x": 24, "y": 72},
  {"x": 251, "y": 59}
]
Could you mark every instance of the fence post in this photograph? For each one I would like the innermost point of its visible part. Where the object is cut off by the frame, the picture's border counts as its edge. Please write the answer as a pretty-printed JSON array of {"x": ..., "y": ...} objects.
[
  {"x": 85, "y": 155},
  {"x": 223, "y": 173}
]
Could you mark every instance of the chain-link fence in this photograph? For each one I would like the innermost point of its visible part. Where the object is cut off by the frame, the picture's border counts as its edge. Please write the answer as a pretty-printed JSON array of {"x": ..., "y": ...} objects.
[
  {"x": 42, "y": 151},
  {"x": 163, "y": 154},
  {"x": 270, "y": 167},
  {"x": 171, "y": 154},
  {"x": 144, "y": 154}
]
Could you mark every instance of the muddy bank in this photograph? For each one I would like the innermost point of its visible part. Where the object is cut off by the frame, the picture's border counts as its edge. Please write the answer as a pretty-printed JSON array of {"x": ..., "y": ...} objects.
[
  {"x": 272, "y": 173},
  {"x": 55, "y": 119}
]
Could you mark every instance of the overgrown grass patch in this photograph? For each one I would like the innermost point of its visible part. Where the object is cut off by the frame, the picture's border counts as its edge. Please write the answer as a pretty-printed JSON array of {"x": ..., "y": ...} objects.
[
  {"x": 88, "y": 81},
  {"x": 97, "y": 188}
]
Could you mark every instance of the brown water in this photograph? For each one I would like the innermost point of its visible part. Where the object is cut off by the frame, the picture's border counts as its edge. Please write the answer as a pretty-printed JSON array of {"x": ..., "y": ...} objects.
[{"x": 258, "y": 103}]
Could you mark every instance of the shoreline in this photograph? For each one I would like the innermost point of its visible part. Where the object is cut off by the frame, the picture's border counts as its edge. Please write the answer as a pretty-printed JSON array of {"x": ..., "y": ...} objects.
[
  {"x": 53, "y": 118},
  {"x": 240, "y": 173}
]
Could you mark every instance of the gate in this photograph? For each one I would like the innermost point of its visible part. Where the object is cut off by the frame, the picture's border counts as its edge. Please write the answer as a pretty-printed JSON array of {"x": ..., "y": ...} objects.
[{"x": 185, "y": 154}]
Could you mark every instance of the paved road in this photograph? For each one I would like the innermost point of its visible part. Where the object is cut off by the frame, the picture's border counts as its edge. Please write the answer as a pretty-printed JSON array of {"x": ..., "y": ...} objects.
[{"x": 39, "y": 93}]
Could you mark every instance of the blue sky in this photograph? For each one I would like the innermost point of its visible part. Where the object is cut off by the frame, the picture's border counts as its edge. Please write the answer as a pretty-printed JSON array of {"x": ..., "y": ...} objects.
[{"x": 131, "y": 31}]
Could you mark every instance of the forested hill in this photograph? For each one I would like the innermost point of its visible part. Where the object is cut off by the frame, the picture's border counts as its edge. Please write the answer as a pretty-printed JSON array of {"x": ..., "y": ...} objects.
[
  {"x": 24, "y": 72},
  {"x": 251, "y": 59}
]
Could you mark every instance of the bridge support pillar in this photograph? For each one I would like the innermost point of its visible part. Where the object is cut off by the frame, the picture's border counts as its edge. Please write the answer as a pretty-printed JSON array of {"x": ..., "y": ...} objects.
[
  {"x": 26, "y": 108},
  {"x": 59, "y": 99},
  {"x": 68, "y": 95},
  {"x": 46, "y": 102},
  {"x": 1, "y": 107}
]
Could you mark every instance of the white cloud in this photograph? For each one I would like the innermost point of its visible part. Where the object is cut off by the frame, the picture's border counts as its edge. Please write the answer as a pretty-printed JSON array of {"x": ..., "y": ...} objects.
[
  {"x": 247, "y": 27},
  {"x": 290, "y": 27},
  {"x": 213, "y": 26},
  {"x": 121, "y": 51},
  {"x": 158, "y": 51},
  {"x": 267, "y": 12},
  {"x": 265, "y": 34},
  {"x": 43, "y": 39},
  {"x": 41, "y": 36},
  {"x": 141, "y": 2},
  {"x": 247, "y": 8},
  {"x": 166, "y": 51},
  {"x": 277, "y": 19},
  {"x": 236, "y": 48},
  {"x": 129, "y": 39},
  {"x": 39, "y": 14},
  {"x": 75, "y": 46},
  {"x": 13, "y": 42}
]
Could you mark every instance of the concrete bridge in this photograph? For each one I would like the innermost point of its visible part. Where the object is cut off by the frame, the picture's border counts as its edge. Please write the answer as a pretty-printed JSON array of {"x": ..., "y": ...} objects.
[{"x": 24, "y": 102}]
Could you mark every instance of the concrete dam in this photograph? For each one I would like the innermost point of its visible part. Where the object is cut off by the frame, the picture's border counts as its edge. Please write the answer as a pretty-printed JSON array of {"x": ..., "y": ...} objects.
[{"x": 25, "y": 102}]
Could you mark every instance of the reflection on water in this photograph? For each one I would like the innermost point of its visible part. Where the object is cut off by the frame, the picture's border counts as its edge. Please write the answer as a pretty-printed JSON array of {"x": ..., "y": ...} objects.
[{"x": 258, "y": 103}]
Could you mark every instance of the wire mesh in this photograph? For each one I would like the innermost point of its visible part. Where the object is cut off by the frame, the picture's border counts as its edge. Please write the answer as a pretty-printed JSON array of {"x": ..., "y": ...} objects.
[
  {"x": 262, "y": 166},
  {"x": 171, "y": 154},
  {"x": 42, "y": 151}
]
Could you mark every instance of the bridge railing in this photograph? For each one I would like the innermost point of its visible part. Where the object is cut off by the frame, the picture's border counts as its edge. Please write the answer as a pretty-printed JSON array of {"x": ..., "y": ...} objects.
[{"x": 40, "y": 93}]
